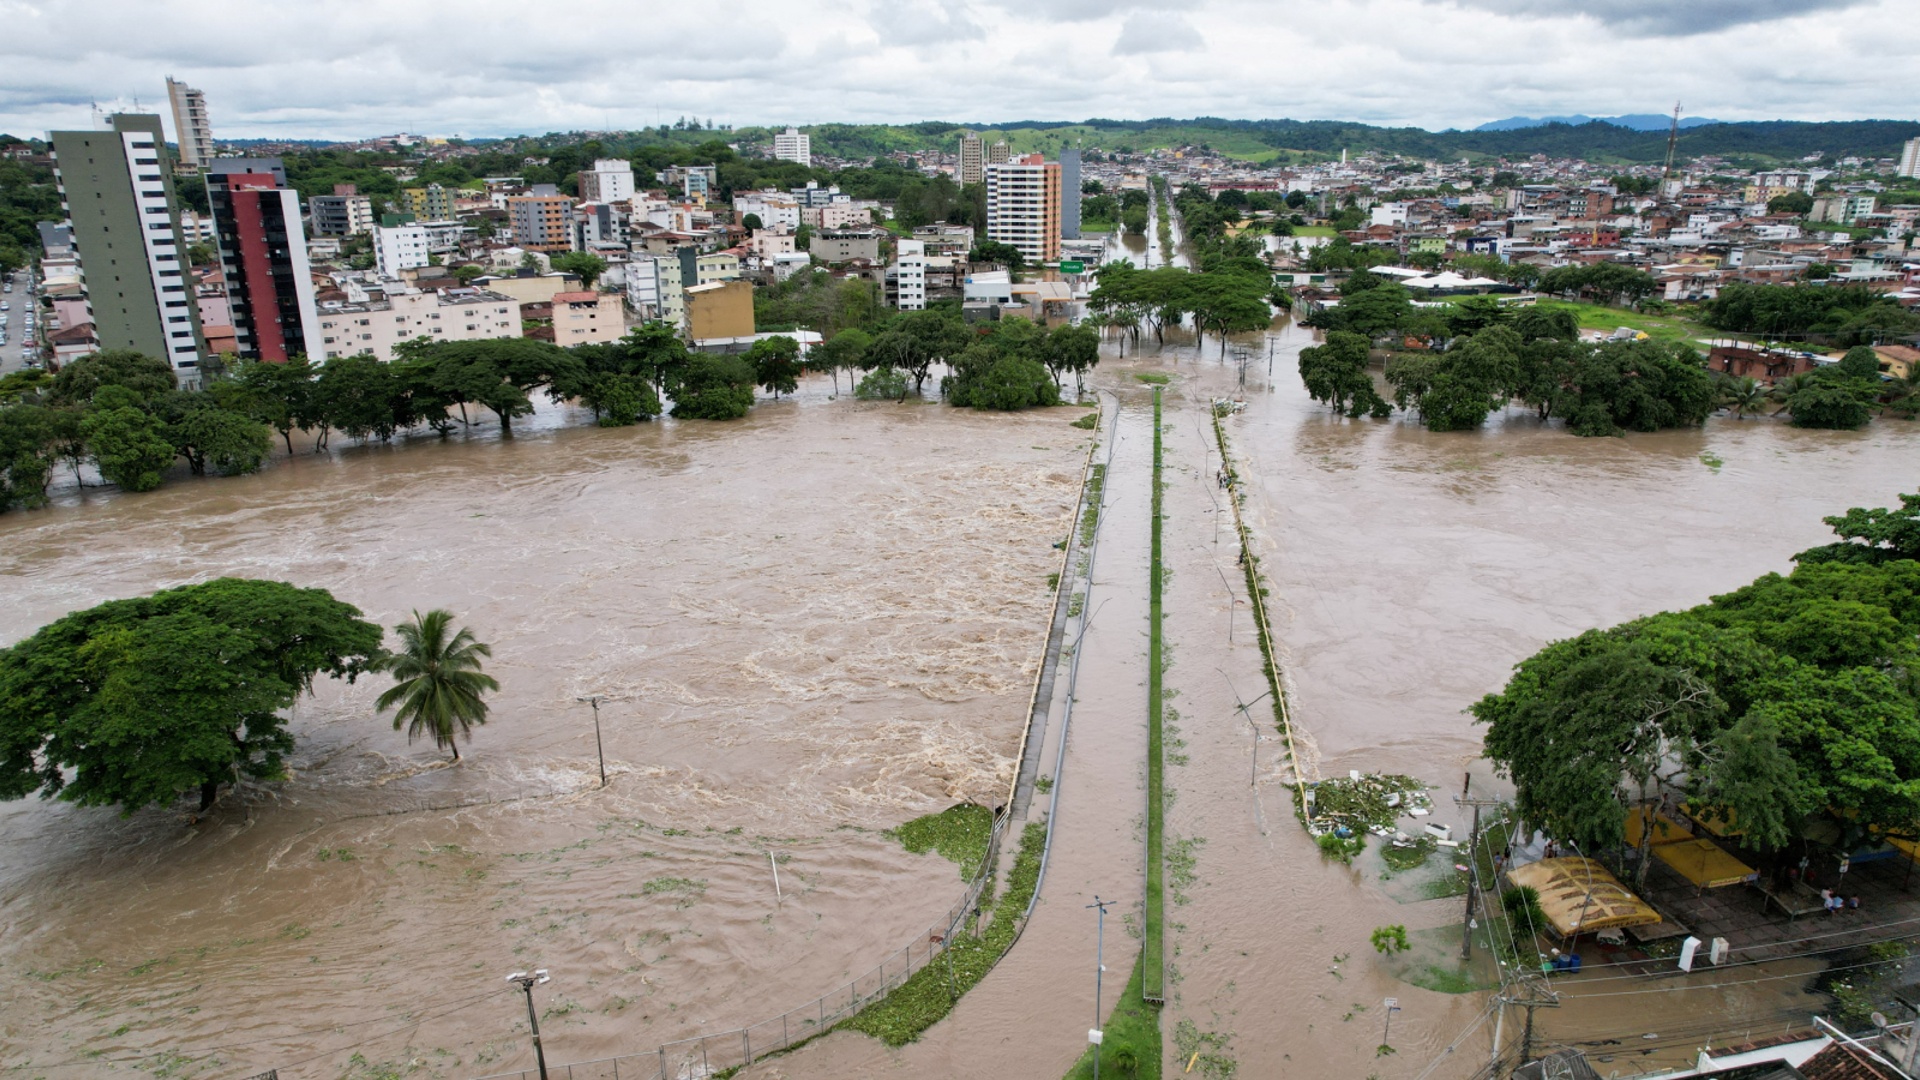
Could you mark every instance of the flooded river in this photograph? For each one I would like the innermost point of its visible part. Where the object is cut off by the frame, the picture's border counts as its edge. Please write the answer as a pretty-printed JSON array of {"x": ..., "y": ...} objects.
[{"x": 810, "y": 626}]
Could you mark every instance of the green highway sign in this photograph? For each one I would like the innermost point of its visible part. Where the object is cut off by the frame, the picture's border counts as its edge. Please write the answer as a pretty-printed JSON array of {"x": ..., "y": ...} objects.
[{"x": 1073, "y": 266}]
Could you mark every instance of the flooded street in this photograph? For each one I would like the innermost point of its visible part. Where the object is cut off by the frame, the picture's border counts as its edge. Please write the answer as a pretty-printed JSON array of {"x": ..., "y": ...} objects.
[
  {"x": 809, "y": 626},
  {"x": 817, "y": 623}
]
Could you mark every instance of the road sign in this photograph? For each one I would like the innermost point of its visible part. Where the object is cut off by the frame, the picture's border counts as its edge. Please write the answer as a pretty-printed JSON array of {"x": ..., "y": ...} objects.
[{"x": 1073, "y": 266}]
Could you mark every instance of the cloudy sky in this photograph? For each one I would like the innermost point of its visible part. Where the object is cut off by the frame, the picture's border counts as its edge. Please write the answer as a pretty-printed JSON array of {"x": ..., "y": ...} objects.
[{"x": 348, "y": 68}]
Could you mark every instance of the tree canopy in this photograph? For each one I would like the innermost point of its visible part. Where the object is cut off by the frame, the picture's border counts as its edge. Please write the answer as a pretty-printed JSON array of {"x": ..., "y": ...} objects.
[
  {"x": 133, "y": 702},
  {"x": 1786, "y": 702}
]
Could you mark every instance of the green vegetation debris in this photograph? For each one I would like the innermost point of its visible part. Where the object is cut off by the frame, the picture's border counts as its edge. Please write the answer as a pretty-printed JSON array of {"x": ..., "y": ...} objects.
[
  {"x": 1088, "y": 422},
  {"x": 1155, "y": 378},
  {"x": 959, "y": 833}
]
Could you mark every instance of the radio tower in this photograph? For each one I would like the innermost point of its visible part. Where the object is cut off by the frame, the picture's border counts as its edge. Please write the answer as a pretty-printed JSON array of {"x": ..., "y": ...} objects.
[{"x": 1673, "y": 141}]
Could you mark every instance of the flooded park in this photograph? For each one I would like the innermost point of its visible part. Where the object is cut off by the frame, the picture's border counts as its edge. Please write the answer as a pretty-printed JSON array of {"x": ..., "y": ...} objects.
[{"x": 806, "y": 628}]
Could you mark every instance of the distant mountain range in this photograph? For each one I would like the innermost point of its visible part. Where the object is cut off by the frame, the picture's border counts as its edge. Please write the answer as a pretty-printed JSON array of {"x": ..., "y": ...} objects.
[{"x": 1631, "y": 121}]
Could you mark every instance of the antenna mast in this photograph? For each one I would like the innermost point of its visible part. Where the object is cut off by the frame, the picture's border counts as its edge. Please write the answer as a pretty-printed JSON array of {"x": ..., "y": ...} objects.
[{"x": 1673, "y": 141}]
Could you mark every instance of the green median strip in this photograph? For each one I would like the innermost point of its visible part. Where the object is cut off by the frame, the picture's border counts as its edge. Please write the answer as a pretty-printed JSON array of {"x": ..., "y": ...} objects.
[{"x": 1153, "y": 951}]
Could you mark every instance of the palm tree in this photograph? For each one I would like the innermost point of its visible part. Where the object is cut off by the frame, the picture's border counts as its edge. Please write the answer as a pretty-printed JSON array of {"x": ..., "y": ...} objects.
[
  {"x": 1742, "y": 395},
  {"x": 437, "y": 680},
  {"x": 1784, "y": 389}
]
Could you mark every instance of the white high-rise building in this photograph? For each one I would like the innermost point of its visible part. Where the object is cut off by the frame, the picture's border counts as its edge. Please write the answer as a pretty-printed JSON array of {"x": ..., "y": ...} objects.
[
  {"x": 190, "y": 125},
  {"x": 1910, "y": 159},
  {"x": 1023, "y": 206},
  {"x": 909, "y": 273},
  {"x": 790, "y": 145},
  {"x": 399, "y": 247},
  {"x": 610, "y": 180}
]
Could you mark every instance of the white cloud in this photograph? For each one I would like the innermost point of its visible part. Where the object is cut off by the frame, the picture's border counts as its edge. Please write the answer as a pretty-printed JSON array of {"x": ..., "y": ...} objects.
[
  {"x": 493, "y": 67},
  {"x": 1152, "y": 32}
]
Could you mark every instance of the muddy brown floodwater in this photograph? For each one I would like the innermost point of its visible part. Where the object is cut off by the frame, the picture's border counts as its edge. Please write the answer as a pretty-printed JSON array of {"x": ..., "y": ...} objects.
[
  {"x": 1409, "y": 572},
  {"x": 808, "y": 626}
]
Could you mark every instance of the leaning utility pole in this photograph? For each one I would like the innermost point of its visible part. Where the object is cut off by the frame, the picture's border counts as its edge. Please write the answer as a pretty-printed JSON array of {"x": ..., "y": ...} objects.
[{"x": 1465, "y": 798}]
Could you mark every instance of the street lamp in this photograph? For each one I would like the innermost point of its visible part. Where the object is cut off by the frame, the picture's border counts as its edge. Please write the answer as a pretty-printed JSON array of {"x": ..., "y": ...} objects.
[
  {"x": 1095, "y": 1035},
  {"x": 527, "y": 981},
  {"x": 598, "y": 748}
]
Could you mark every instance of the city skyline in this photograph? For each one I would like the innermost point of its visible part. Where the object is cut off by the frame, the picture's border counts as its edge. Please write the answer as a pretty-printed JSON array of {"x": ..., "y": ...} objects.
[{"x": 350, "y": 71}]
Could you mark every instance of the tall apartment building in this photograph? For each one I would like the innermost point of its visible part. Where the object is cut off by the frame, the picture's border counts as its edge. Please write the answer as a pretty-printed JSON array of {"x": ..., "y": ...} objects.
[
  {"x": 999, "y": 154},
  {"x": 1910, "y": 159},
  {"x": 1069, "y": 194},
  {"x": 263, "y": 255},
  {"x": 907, "y": 277},
  {"x": 430, "y": 203},
  {"x": 790, "y": 145},
  {"x": 126, "y": 231},
  {"x": 973, "y": 159},
  {"x": 400, "y": 247},
  {"x": 190, "y": 125},
  {"x": 346, "y": 212},
  {"x": 1023, "y": 206},
  {"x": 542, "y": 222},
  {"x": 610, "y": 180}
]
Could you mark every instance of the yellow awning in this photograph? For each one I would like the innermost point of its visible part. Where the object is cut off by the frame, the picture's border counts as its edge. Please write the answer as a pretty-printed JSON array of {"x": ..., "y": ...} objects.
[
  {"x": 1578, "y": 895},
  {"x": 1665, "y": 829},
  {"x": 1703, "y": 863},
  {"x": 1718, "y": 820}
]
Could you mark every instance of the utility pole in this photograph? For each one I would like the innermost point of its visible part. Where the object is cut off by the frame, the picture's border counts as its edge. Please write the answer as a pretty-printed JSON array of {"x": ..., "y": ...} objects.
[
  {"x": 1465, "y": 798},
  {"x": 597, "y": 746},
  {"x": 527, "y": 981},
  {"x": 1099, "y": 968}
]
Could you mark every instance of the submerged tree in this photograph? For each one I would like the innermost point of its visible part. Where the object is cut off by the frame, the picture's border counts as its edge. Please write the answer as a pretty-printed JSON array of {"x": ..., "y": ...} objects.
[
  {"x": 437, "y": 680},
  {"x": 133, "y": 702}
]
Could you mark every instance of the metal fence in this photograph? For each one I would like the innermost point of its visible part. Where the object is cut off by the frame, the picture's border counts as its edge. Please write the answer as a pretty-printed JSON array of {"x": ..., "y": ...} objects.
[{"x": 705, "y": 1055}]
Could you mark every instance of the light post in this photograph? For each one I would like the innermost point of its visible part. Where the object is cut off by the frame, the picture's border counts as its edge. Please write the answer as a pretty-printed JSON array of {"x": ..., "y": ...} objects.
[
  {"x": 527, "y": 981},
  {"x": 1099, "y": 968},
  {"x": 598, "y": 748}
]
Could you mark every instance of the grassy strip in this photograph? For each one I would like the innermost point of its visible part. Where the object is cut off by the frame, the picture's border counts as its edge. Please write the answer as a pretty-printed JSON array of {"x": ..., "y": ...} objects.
[
  {"x": 1660, "y": 327},
  {"x": 929, "y": 994},
  {"x": 959, "y": 832},
  {"x": 1153, "y": 952},
  {"x": 1256, "y": 592},
  {"x": 1131, "y": 1042}
]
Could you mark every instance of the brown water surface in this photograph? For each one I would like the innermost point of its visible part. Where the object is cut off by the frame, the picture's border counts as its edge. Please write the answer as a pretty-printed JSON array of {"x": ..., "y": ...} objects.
[{"x": 808, "y": 626}]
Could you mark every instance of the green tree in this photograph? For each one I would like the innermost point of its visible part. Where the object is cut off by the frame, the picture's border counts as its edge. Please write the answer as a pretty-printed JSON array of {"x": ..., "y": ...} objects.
[
  {"x": 776, "y": 364},
  {"x": 752, "y": 223},
  {"x": 206, "y": 434},
  {"x": 584, "y": 263},
  {"x": 1826, "y": 398},
  {"x": 127, "y": 443},
  {"x": 275, "y": 394},
  {"x": 844, "y": 351},
  {"x": 469, "y": 273},
  {"x": 438, "y": 686},
  {"x": 27, "y": 438},
  {"x": 1871, "y": 536},
  {"x": 993, "y": 251},
  {"x": 1860, "y": 362},
  {"x": 145, "y": 376},
  {"x": 1794, "y": 202},
  {"x": 133, "y": 702},
  {"x": 1336, "y": 373},
  {"x": 713, "y": 388},
  {"x": 1073, "y": 349},
  {"x": 1743, "y": 395}
]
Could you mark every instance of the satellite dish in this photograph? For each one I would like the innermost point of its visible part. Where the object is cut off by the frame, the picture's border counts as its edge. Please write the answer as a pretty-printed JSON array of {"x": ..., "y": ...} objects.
[{"x": 1879, "y": 1020}]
